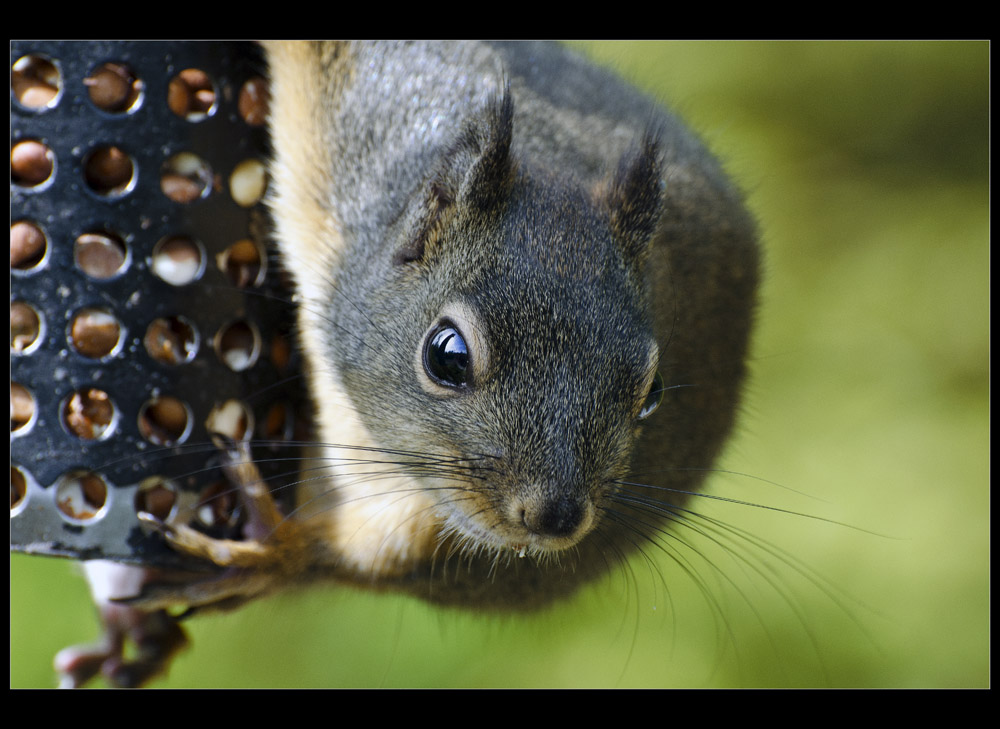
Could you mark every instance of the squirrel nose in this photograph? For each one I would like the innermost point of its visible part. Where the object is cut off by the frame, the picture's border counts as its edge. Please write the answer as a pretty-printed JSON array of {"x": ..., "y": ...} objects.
[{"x": 556, "y": 517}]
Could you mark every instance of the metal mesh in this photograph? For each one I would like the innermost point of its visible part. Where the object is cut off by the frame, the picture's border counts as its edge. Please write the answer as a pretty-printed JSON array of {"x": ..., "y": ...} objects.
[{"x": 147, "y": 311}]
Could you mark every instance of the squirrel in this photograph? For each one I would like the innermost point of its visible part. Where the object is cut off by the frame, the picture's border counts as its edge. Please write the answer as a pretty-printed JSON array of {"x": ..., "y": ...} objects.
[{"x": 525, "y": 293}]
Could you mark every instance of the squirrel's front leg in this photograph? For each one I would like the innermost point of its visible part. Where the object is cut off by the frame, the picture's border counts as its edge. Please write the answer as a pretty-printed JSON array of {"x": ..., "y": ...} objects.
[
  {"x": 134, "y": 602},
  {"x": 274, "y": 551}
]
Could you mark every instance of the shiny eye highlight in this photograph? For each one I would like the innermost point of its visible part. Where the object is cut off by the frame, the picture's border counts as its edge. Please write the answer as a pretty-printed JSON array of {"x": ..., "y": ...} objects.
[
  {"x": 446, "y": 356},
  {"x": 653, "y": 398}
]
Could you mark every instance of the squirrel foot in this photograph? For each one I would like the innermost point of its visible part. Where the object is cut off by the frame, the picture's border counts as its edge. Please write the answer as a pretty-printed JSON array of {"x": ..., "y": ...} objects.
[{"x": 156, "y": 634}]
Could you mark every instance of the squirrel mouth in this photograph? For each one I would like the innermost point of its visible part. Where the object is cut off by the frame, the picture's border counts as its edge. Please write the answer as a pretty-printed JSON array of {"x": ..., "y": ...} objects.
[{"x": 470, "y": 534}]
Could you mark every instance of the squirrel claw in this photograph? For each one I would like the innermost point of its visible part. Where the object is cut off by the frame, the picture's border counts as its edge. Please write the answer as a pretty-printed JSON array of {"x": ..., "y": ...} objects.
[{"x": 155, "y": 523}]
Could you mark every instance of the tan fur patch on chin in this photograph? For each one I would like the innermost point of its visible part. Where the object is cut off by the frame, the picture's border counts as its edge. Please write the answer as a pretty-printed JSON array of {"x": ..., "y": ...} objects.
[{"x": 375, "y": 522}]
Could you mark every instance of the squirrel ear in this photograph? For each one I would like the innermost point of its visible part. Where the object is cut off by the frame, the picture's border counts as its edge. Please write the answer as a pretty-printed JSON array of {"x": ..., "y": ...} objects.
[
  {"x": 482, "y": 155},
  {"x": 634, "y": 199},
  {"x": 475, "y": 170}
]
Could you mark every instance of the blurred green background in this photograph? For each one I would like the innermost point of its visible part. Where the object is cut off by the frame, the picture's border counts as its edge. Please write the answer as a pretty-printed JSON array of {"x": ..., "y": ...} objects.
[{"x": 867, "y": 167}]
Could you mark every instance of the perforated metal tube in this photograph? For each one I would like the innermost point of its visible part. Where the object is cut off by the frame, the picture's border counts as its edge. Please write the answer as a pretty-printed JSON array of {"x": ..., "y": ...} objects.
[{"x": 147, "y": 309}]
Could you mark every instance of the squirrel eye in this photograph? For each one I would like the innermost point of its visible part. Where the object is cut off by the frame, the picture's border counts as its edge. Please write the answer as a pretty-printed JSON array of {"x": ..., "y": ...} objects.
[
  {"x": 653, "y": 398},
  {"x": 446, "y": 357}
]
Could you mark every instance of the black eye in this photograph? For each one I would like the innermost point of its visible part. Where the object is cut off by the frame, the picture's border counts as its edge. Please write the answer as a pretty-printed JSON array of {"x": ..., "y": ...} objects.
[
  {"x": 653, "y": 398},
  {"x": 446, "y": 357}
]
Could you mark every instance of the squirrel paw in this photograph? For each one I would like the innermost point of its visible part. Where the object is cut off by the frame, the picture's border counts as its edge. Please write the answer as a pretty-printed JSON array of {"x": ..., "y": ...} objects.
[
  {"x": 271, "y": 542},
  {"x": 156, "y": 635},
  {"x": 266, "y": 531},
  {"x": 221, "y": 552},
  {"x": 272, "y": 551}
]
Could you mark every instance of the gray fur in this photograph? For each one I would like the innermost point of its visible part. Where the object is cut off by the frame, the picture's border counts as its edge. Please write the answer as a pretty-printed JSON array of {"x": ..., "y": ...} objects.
[{"x": 605, "y": 226}]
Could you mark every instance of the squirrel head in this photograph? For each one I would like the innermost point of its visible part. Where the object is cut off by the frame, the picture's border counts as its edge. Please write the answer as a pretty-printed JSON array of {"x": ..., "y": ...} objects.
[{"x": 515, "y": 308}]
